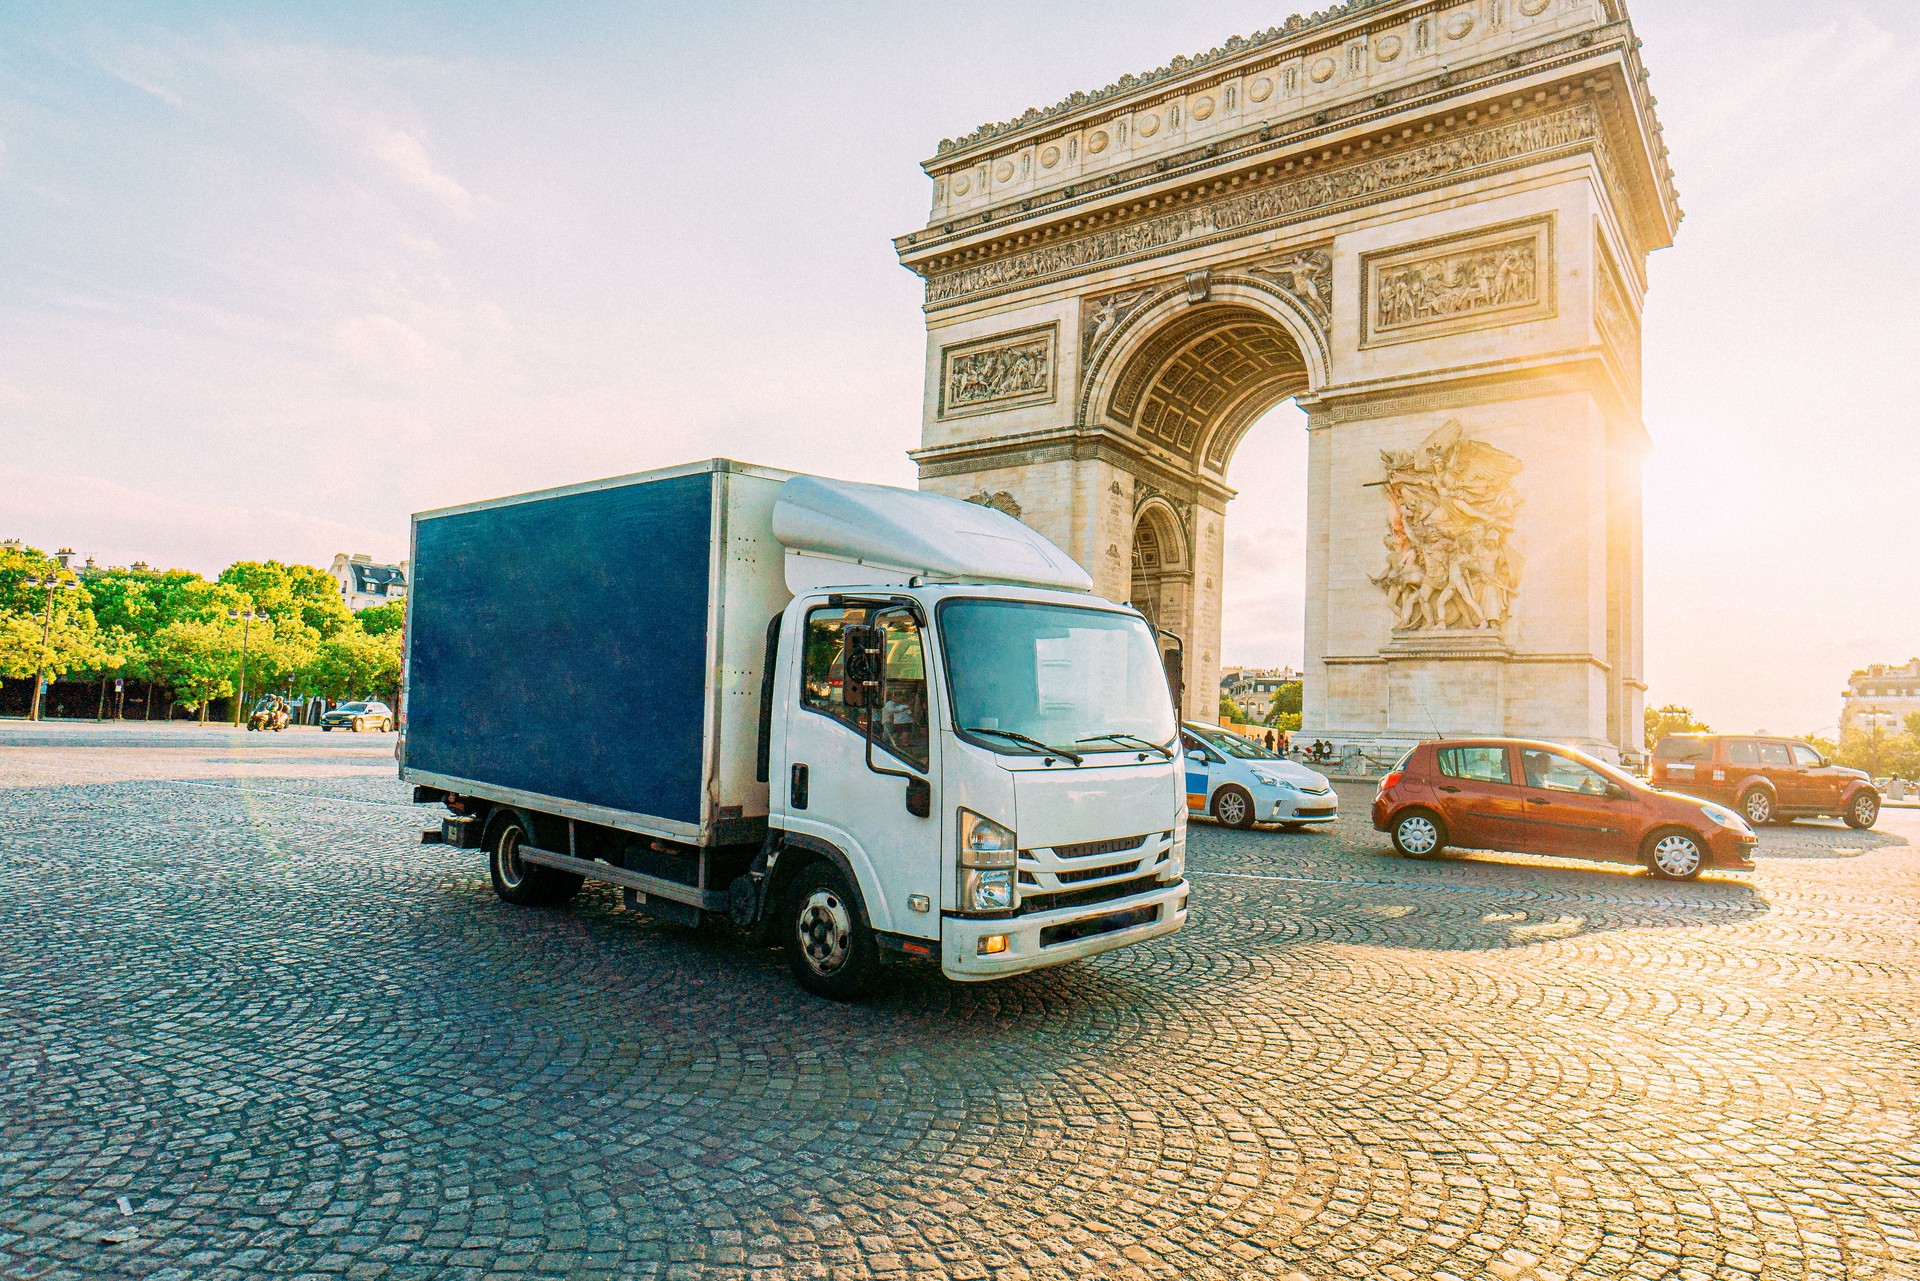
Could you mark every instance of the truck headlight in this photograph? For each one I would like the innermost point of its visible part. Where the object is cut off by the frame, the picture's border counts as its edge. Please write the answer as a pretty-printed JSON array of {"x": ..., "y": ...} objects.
[
  {"x": 987, "y": 889},
  {"x": 988, "y": 852},
  {"x": 1176, "y": 865}
]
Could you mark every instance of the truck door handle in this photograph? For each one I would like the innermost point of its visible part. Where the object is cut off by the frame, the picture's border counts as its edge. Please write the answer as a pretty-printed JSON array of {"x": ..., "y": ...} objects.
[{"x": 797, "y": 791}]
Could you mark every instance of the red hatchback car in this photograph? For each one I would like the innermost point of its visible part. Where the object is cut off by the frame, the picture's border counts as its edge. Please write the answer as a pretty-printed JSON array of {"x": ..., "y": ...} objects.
[{"x": 1540, "y": 798}]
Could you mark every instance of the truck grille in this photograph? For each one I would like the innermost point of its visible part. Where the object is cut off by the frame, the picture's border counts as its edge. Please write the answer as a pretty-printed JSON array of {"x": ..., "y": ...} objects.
[
  {"x": 1092, "y": 894},
  {"x": 1090, "y": 848},
  {"x": 1095, "y": 873}
]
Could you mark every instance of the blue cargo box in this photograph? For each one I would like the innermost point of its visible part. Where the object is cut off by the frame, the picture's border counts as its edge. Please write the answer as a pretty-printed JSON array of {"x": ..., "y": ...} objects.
[{"x": 595, "y": 651}]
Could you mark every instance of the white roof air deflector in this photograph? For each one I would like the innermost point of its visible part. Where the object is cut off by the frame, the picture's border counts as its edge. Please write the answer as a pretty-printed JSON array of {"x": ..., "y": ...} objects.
[{"x": 914, "y": 534}]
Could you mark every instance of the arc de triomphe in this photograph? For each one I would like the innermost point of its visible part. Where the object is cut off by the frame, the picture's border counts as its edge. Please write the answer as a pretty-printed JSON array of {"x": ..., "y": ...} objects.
[{"x": 1425, "y": 222}]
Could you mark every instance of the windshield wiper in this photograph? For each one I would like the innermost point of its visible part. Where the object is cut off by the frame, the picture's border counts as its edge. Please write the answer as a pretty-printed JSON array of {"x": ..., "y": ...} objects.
[
  {"x": 1027, "y": 740},
  {"x": 1135, "y": 739}
]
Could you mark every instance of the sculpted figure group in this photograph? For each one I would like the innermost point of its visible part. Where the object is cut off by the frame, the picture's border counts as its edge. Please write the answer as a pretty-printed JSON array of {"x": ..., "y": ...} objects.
[{"x": 1452, "y": 506}]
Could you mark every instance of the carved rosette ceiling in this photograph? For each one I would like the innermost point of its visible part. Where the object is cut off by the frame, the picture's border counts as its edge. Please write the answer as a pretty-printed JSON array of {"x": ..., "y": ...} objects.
[
  {"x": 1204, "y": 378},
  {"x": 1283, "y": 200},
  {"x": 1451, "y": 509},
  {"x": 1004, "y": 371}
]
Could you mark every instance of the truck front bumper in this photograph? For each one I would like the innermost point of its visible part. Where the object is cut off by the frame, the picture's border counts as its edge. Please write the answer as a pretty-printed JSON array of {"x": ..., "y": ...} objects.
[{"x": 1049, "y": 938}]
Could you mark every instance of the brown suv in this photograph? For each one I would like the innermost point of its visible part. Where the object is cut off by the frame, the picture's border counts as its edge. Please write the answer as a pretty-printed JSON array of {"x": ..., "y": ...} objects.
[{"x": 1769, "y": 780}]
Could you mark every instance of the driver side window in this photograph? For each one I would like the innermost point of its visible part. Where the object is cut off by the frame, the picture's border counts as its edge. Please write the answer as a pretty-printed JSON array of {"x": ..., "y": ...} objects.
[
  {"x": 1556, "y": 773},
  {"x": 901, "y": 701},
  {"x": 1805, "y": 756}
]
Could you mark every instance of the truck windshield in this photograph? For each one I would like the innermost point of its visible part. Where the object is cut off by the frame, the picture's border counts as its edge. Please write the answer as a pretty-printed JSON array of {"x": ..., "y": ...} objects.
[{"x": 1059, "y": 676}]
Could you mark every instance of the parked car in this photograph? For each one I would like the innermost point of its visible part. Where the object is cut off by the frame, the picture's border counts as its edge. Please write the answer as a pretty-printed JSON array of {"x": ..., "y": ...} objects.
[
  {"x": 1770, "y": 780},
  {"x": 1240, "y": 782},
  {"x": 1540, "y": 798},
  {"x": 359, "y": 716}
]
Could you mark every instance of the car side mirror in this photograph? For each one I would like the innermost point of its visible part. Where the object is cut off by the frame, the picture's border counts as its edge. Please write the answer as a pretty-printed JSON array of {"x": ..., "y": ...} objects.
[
  {"x": 1617, "y": 792},
  {"x": 919, "y": 797}
]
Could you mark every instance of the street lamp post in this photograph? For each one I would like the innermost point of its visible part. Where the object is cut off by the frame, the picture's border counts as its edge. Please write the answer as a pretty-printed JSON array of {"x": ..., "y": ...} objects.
[
  {"x": 52, "y": 582},
  {"x": 247, "y": 617}
]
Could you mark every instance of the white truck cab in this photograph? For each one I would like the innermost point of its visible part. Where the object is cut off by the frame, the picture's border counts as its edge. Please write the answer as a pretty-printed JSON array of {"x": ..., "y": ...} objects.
[{"x": 1031, "y": 719}]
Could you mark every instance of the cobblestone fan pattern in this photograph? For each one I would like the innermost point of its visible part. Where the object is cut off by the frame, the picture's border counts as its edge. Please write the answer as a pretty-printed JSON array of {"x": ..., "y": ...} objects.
[{"x": 250, "y": 1028}]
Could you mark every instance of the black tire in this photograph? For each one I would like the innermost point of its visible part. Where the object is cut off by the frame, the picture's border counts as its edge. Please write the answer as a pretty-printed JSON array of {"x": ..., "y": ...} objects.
[
  {"x": 326, "y": 729},
  {"x": 520, "y": 883},
  {"x": 829, "y": 944},
  {"x": 1863, "y": 811},
  {"x": 386, "y": 726},
  {"x": 1667, "y": 856},
  {"x": 1419, "y": 833},
  {"x": 1758, "y": 807},
  {"x": 1233, "y": 807}
]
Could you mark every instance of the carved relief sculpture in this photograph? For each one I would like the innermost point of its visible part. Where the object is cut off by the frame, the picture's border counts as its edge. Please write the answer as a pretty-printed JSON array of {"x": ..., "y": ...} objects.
[
  {"x": 1451, "y": 511},
  {"x": 1101, "y": 316},
  {"x": 1000, "y": 500},
  {"x": 999, "y": 372},
  {"x": 1501, "y": 275},
  {"x": 1308, "y": 276}
]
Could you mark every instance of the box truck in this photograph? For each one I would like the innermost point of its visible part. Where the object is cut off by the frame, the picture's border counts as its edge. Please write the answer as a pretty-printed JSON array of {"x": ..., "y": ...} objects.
[{"x": 867, "y": 724}]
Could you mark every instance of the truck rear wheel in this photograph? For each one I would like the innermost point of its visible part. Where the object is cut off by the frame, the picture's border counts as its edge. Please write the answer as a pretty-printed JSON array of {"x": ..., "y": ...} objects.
[
  {"x": 519, "y": 882},
  {"x": 829, "y": 945}
]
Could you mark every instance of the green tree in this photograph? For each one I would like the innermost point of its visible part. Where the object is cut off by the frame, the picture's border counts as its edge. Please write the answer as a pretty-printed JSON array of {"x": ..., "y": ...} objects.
[
  {"x": 52, "y": 634},
  {"x": 1287, "y": 701},
  {"x": 354, "y": 665},
  {"x": 197, "y": 660},
  {"x": 381, "y": 619},
  {"x": 1673, "y": 719},
  {"x": 291, "y": 594},
  {"x": 1229, "y": 711}
]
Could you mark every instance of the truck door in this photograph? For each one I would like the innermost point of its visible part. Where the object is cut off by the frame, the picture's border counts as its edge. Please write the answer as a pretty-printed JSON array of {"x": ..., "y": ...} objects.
[{"x": 824, "y": 788}]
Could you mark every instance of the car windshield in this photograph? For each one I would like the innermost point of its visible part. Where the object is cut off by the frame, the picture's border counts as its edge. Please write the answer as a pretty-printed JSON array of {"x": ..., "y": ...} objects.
[
  {"x": 351, "y": 707},
  {"x": 1232, "y": 744},
  {"x": 1059, "y": 676}
]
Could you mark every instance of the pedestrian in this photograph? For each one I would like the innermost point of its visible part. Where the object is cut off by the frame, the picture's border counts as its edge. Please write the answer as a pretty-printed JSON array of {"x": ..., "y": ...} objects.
[{"x": 1269, "y": 740}]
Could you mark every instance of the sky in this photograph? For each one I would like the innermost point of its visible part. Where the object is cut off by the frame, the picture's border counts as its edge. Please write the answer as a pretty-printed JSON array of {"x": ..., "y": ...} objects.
[{"x": 275, "y": 275}]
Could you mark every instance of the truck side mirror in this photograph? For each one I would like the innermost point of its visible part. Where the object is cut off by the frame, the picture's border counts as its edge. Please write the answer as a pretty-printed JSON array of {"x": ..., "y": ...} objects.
[
  {"x": 919, "y": 797},
  {"x": 863, "y": 654}
]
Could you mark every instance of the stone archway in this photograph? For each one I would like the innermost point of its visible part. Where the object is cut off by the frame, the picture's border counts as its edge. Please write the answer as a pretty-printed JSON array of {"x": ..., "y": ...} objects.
[{"x": 1426, "y": 224}]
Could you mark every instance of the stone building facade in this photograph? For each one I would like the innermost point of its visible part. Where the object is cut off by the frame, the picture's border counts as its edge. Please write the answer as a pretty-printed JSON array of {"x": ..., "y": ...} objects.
[
  {"x": 364, "y": 584},
  {"x": 1427, "y": 224},
  {"x": 1881, "y": 697}
]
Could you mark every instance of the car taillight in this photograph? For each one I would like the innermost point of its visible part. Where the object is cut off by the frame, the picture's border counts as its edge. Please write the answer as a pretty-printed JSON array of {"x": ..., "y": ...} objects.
[{"x": 1390, "y": 782}]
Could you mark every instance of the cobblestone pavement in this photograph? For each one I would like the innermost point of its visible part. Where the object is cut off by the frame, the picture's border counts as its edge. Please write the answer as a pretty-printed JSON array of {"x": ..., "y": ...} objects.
[{"x": 248, "y": 1027}]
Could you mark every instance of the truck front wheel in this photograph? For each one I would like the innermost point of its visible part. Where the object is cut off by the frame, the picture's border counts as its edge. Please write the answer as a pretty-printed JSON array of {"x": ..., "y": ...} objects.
[
  {"x": 522, "y": 883},
  {"x": 830, "y": 947}
]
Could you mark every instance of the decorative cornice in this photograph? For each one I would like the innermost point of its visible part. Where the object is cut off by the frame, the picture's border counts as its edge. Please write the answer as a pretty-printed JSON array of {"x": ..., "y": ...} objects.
[
  {"x": 1297, "y": 25},
  {"x": 1288, "y": 199}
]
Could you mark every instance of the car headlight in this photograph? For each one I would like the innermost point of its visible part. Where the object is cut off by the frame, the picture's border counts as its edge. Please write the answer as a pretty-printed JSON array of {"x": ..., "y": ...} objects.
[
  {"x": 1725, "y": 817},
  {"x": 1271, "y": 780},
  {"x": 988, "y": 852}
]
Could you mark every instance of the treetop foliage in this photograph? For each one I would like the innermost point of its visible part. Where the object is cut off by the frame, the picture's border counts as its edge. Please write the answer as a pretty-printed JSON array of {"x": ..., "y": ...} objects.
[{"x": 176, "y": 628}]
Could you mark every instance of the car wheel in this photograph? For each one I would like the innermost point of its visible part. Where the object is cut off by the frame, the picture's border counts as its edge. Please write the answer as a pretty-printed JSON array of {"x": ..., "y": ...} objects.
[
  {"x": 831, "y": 950},
  {"x": 1863, "y": 812},
  {"x": 1675, "y": 855},
  {"x": 386, "y": 725},
  {"x": 1233, "y": 807},
  {"x": 326, "y": 729},
  {"x": 1419, "y": 834},
  {"x": 519, "y": 882},
  {"x": 1757, "y": 805}
]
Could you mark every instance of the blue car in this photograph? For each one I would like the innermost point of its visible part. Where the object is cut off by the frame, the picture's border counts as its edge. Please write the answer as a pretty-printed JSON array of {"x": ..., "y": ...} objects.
[{"x": 1241, "y": 783}]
